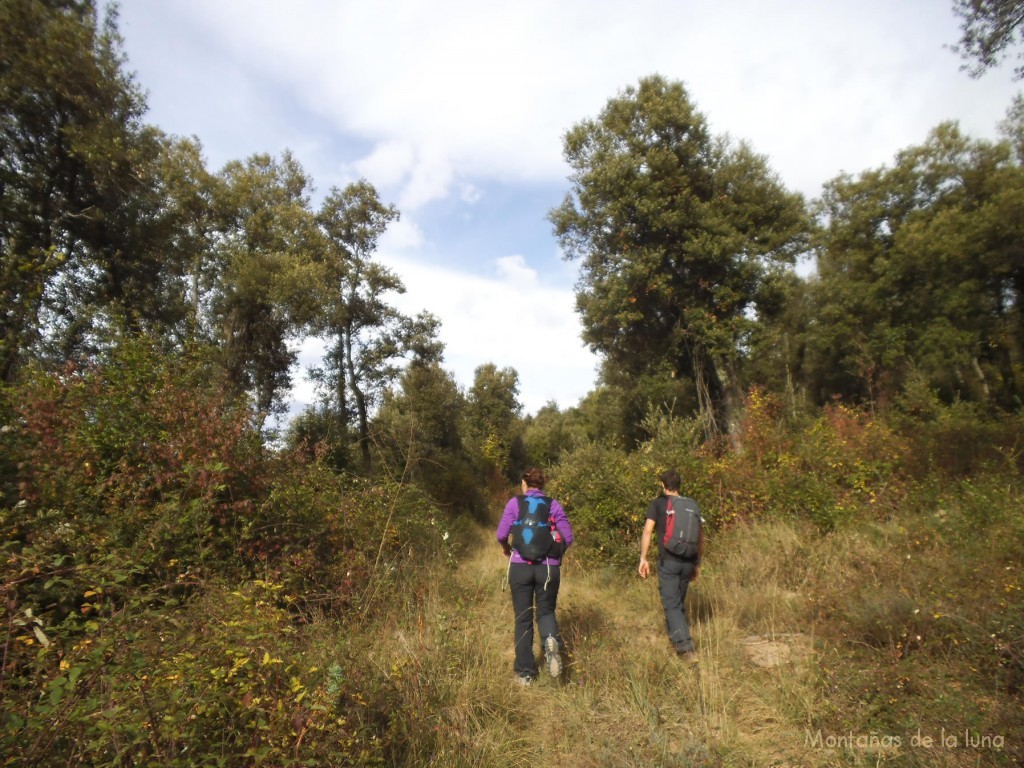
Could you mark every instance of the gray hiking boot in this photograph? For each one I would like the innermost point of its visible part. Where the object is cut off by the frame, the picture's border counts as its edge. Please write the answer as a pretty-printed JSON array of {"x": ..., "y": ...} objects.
[{"x": 552, "y": 657}]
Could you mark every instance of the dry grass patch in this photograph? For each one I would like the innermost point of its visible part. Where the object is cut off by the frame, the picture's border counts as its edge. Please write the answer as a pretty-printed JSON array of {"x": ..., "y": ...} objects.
[{"x": 797, "y": 633}]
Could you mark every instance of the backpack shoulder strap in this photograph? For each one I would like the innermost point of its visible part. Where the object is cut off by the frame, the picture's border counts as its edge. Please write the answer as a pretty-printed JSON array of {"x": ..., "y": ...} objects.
[
  {"x": 538, "y": 508},
  {"x": 521, "y": 501},
  {"x": 547, "y": 503}
]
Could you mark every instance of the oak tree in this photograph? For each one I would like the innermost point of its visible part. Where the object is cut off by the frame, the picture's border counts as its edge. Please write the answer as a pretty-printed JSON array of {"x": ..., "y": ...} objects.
[
  {"x": 678, "y": 233},
  {"x": 920, "y": 271},
  {"x": 75, "y": 178}
]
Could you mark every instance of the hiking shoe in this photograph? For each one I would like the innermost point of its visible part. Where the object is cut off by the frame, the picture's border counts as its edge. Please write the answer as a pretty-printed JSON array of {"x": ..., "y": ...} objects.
[
  {"x": 524, "y": 680},
  {"x": 688, "y": 657},
  {"x": 552, "y": 657}
]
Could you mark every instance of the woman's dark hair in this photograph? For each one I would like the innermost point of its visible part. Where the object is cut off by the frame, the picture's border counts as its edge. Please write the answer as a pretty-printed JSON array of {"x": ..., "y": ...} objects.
[
  {"x": 534, "y": 478},
  {"x": 671, "y": 480}
]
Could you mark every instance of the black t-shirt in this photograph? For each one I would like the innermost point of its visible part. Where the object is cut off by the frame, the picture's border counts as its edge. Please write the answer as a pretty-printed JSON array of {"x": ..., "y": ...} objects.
[{"x": 656, "y": 511}]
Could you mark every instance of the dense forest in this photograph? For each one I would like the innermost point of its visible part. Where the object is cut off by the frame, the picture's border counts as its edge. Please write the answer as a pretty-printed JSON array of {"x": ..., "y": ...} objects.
[{"x": 190, "y": 579}]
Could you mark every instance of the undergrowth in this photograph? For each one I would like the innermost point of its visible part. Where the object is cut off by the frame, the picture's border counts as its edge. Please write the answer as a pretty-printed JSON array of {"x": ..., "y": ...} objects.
[{"x": 177, "y": 594}]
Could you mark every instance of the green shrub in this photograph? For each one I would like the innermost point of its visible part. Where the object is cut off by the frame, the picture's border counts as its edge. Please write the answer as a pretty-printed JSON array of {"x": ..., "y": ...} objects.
[
  {"x": 138, "y": 492},
  {"x": 957, "y": 441},
  {"x": 845, "y": 465},
  {"x": 605, "y": 492},
  {"x": 146, "y": 455},
  {"x": 227, "y": 680},
  {"x": 336, "y": 543}
]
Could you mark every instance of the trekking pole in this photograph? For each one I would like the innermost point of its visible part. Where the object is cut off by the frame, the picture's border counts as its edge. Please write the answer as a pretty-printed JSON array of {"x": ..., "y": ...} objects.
[{"x": 505, "y": 576}]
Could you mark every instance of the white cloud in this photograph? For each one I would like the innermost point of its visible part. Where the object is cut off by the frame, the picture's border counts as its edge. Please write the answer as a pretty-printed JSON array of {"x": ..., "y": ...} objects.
[
  {"x": 483, "y": 89},
  {"x": 471, "y": 194},
  {"x": 430, "y": 179},
  {"x": 503, "y": 319},
  {"x": 389, "y": 164},
  {"x": 514, "y": 270},
  {"x": 510, "y": 321},
  {"x": 403, "y": 235},
  {"x": 413, "y": 174}
]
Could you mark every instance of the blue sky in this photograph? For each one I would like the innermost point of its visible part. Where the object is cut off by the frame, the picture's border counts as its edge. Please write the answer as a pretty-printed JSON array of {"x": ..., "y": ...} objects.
[{"x": 455, "y": 111}]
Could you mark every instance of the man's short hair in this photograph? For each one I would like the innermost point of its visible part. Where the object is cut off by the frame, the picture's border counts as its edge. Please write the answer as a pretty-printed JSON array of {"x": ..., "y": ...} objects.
[{"x": 671, "y": 480}]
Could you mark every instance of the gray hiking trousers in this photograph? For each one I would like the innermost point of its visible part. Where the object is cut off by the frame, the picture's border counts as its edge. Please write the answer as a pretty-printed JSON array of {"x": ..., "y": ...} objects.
[{"x": 673, "y": 580}]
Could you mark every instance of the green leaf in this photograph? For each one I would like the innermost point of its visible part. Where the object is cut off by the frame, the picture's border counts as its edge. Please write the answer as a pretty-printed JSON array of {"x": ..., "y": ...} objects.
[{"x": 40, "y": 636}]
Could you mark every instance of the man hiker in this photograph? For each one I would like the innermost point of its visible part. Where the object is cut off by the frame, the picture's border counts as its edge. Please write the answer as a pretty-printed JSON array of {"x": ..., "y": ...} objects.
[
  {"x": 534, "y": 532},
  {"x": 675, "y": 572}
]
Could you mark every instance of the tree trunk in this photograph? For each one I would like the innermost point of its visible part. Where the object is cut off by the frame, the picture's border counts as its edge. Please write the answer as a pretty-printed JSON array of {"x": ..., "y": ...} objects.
[
  {"x": 976, "y": 366},
  {"x": 340, "y": 388},
  {"x": 364, "y": 422},
  {"x": 192, "y": 330},
  {"x": 717, "y": 402}
]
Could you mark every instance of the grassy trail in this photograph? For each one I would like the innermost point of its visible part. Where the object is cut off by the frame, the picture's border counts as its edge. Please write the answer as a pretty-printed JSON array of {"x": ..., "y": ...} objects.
[
  {"x": 624, "y": 698},
  {"x": 806, "y": 642}
]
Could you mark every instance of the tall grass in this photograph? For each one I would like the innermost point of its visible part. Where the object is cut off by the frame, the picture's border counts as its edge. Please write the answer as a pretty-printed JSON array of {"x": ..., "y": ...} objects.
[{"x": 856, "y": 678}]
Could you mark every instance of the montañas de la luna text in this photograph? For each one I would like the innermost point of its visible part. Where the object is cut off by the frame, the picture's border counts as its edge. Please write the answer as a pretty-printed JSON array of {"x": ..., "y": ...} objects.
[{"x": 875, "y": 741}]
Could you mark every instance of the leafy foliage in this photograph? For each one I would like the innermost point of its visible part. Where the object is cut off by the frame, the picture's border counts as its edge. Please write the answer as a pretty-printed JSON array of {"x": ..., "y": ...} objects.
[
  {"x": 366, "y": 336},
  {"x": 988, "y": 28},
  {"x": 262, "y": 257},
  {"x": 490, "y": 422},
  {"x": 419, "y": 429},
  {"x": 845, "y": 465},
  {"x": 918, "y": 273},
  {"x": 76, "y": 172},
  {"x": 143, "y": 493},
  {"x": 678, "y": 233}
]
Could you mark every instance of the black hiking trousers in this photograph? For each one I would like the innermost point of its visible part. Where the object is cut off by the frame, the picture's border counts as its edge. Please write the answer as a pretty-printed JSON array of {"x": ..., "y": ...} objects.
[{"x": 530, "y": 585}]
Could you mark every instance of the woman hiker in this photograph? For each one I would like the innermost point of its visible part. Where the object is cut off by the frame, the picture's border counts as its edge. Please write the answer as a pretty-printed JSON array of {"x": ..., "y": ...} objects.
[{"x": 534, "y": 533}]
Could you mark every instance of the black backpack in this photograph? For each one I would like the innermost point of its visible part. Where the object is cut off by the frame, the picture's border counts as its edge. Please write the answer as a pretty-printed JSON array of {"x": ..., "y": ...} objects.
[
  {"x": 682, "y": 527},
  {"x": 533, "y": 534}
]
